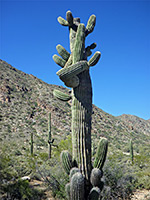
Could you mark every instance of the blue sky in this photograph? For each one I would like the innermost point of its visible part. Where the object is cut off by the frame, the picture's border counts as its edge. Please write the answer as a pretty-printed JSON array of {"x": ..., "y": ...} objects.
[{"x": 121, "y": 79}]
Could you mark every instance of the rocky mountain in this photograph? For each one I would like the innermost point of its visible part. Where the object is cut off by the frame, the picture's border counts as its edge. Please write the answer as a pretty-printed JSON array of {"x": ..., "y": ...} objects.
[{"x": 25, "y": 102}]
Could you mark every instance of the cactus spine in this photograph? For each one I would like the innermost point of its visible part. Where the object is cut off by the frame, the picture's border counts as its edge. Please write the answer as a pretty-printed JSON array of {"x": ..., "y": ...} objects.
[{"x": 75, "y": 74}]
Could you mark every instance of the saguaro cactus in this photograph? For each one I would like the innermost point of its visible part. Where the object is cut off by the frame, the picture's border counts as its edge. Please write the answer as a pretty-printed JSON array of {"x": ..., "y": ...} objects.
[
  {"x": 75, "y": 74},
  {"x": 50, "y": 140},
  {"x": 131, "y": 151},
  {"x": 31, "y": 144}
]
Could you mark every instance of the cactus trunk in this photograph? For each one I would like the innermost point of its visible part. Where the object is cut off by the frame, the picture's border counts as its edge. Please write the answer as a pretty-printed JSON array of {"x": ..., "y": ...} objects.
[{"x": 81, "y": 123}]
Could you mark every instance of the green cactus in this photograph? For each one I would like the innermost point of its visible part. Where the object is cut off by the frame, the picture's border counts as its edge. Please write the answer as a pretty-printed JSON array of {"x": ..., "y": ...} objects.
[
  {"x": 31, "y": 144},
  {"x": 66, "y": 160},
  {"x": 75, "y": 74},
  {"x": 50, "y": 140},
  {"x": 101, "y": 153},
  {"x": 73, "y": 171},
  {"x": 96, "y": 176},
  {"x": 93, "y": 61},
  {"x": 131, "y": 151},
  {"x": 62, "y": 52},
  {"x": 59, "y": 61},
  {"x": 77, "y": 187},
  {"x": 61, "y": 95}
]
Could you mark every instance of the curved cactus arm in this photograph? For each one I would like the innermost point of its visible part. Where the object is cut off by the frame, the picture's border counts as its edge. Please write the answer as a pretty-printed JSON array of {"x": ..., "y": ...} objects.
[
  {"x": 95, "y": 58},
  {"x": 101, "y": 153},
  {"x": 63, "y": 52},
  {"x": 59, "y": 61},
  {"x": 72, "y": 70},
  {"x": 91, "y": 24},
  {"x": 77, "y": 187},
  {"x": 62, "y": 21},
  {"x": 94, "y": 194},
  {"x": 96, "y": 175},
  {"x": 61, "y": 95},
  {"x": 66, "y": 160}
]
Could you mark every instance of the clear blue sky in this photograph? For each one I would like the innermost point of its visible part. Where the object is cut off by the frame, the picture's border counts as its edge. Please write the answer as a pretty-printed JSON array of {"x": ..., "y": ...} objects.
[{"x": 121, "y": 79}]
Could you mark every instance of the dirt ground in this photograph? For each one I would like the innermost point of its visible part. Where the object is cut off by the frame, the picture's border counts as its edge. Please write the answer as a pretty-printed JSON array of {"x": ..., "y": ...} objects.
[
  {"x": 141, "y": 195},
  {"x": 138, "y": 195}
]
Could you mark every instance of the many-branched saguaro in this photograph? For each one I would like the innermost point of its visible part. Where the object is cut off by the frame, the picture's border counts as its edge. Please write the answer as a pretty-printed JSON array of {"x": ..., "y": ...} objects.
[{"x": 75, "y": 74}]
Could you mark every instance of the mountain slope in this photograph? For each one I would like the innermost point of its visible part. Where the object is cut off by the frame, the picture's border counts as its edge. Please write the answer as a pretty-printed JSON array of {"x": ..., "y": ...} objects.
[{"x": 25, "y": 102}]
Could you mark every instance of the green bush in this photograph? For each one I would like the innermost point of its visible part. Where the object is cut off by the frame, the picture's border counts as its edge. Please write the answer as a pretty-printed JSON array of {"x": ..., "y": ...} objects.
[{"x": 21, "y": 190}]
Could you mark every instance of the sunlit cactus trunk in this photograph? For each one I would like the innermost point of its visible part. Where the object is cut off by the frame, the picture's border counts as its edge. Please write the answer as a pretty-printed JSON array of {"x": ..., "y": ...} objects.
[
  {"x": 81, "y": 108},
  {"x": 81, "y": 123}
]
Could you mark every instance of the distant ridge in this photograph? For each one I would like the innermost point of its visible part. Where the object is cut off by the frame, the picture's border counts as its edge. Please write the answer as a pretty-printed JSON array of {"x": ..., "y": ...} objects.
[{"x": 25, "y": 102}]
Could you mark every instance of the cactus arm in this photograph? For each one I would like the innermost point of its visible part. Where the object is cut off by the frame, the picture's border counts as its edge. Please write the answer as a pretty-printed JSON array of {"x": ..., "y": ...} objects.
[
  {"x": 59, "y": 61},
  {"x": 95, "y": 58},
  {"x": 66, "y": 160},
  {"x": 88, "y": 49},
  {"x": 61, "y": 95},
  {"x": 62, "y": 21},
  {"x": 69, "y": 18},
  {"x": 101, "y": 153},
  {"x": 77, "y": 187},
  {"x": 79, "y": 46},
  {"x": 91, "y": 24},
  {"x": 93, "y": 45},
  {"x": 63, "y": 52},
  {"x": 96, "y": 175},
  {"x": 72, "y": 70}
]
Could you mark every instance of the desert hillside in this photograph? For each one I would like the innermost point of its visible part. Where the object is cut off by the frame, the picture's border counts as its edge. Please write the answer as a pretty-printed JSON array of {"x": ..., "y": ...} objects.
[{"x": 26, "y": 101}]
